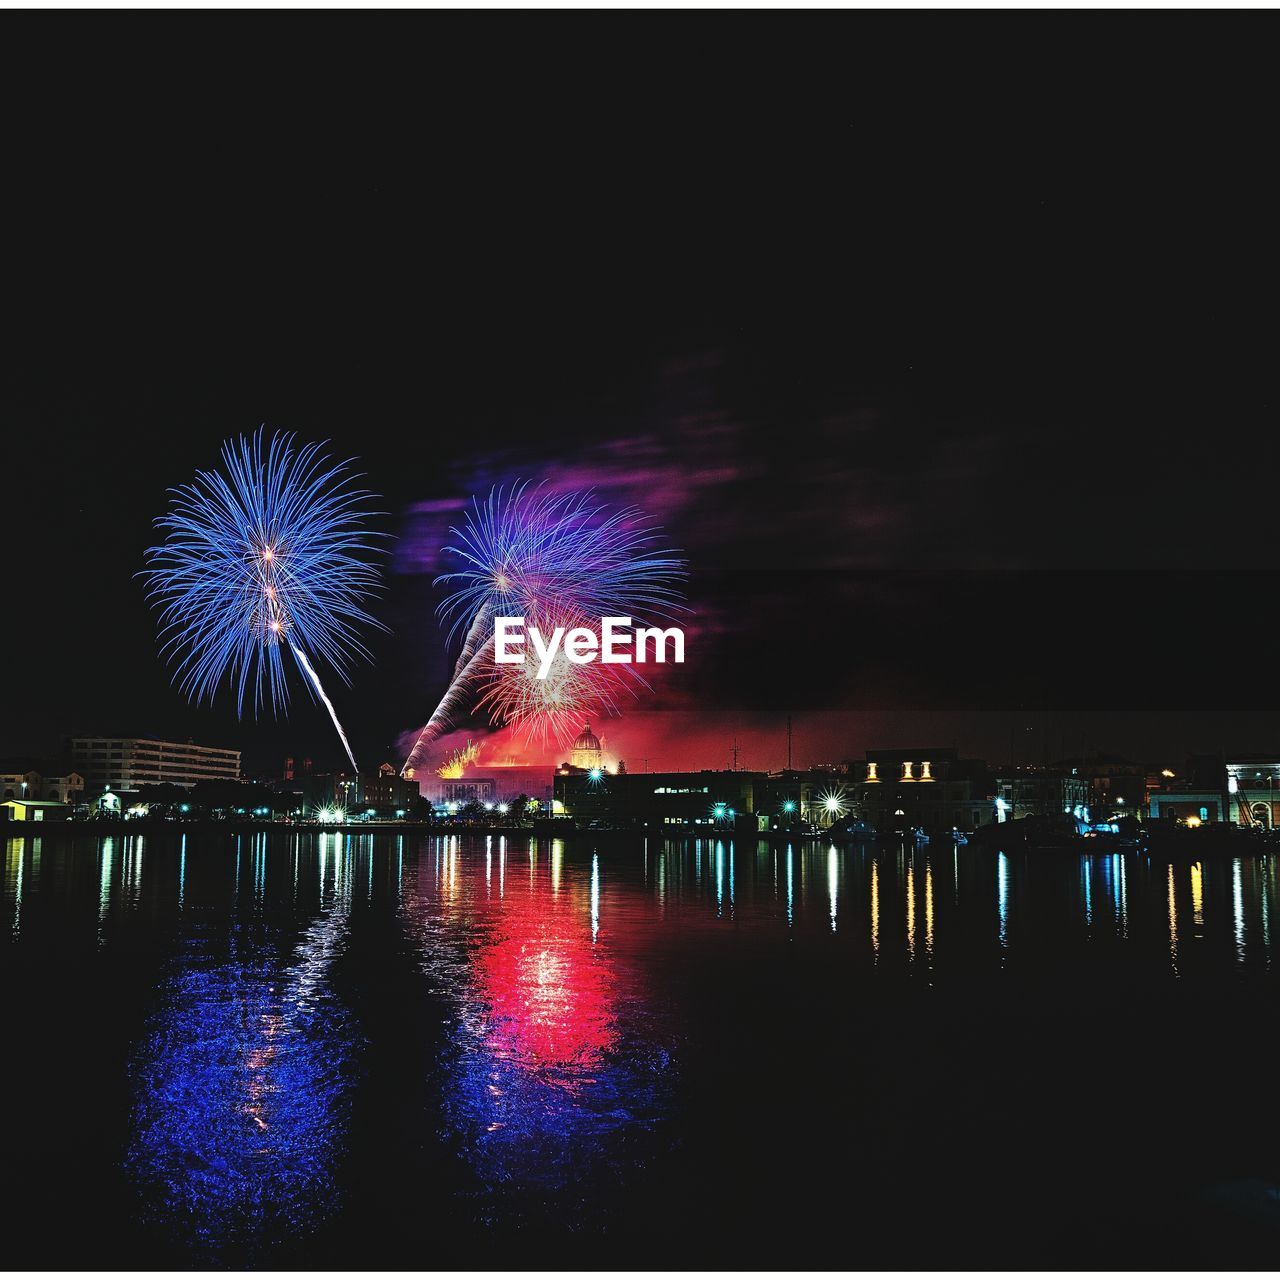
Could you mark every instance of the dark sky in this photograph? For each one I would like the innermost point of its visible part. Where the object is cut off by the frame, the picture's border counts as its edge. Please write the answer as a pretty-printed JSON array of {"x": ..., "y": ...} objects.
[{"x": 967, "y": 430}]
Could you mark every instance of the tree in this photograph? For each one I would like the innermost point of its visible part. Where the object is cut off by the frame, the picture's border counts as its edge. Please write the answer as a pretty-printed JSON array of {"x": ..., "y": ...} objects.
[{"x": 164, "y": 796}]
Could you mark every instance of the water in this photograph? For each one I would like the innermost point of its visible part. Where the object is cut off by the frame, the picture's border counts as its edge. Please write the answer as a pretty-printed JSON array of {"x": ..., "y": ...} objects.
[{"x": 421, "y": 1051}]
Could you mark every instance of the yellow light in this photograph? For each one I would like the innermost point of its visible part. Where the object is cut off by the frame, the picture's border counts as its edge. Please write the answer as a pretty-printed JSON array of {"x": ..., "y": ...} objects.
[
  {"x": 1193, "y": 822},
  {"x": 266, "y": 554}
]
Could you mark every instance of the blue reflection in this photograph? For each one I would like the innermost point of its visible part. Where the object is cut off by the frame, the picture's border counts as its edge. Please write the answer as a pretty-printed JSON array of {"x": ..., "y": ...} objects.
[
  {"x": 241, "y": 1092},
  {"x": 1002, "y": 895}
]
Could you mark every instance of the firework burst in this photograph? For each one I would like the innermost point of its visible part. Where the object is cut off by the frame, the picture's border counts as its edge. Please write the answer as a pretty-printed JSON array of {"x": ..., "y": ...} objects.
[
  {"x": 555, "y": 560},
  {"x": 265, "y": 554},
  {"x": 456, "y": 764}
]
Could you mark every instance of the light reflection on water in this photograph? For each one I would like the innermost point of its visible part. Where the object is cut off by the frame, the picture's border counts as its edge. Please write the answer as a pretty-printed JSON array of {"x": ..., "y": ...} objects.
[
  {"x": 548, "y": 1060},
  {"x": 241, "y": 1081},
  {"x": 563, "y": 1045}
]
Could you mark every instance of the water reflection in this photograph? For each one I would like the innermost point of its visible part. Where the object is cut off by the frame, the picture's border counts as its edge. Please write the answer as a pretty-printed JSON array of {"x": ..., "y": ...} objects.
[
  {"x": 833, "y": 881},
  {"x": 544, "y": 1073},
  {"x": 1237, "y": 904},
  {"x": 558, "y": 1036},
  {"x": 106, "y": 859},
  {"x": 1002, "y": 891},
  {"x": 241, "y": 1082},
  {"x": 15, "y": 853}
]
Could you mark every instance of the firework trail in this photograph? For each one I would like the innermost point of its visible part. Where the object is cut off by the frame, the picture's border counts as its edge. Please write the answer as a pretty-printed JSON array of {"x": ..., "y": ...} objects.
[
  {"x": 555, "y": 560},
  {"x": 264, "y": 553},
  {"x": 324, "y": 697}
]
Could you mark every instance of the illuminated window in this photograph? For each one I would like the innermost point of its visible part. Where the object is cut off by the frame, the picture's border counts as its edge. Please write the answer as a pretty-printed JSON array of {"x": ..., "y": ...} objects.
[
  {"x": 925, "y": 775},
  {"x": 871, "y": 772},
  {"x": 906, "y": 771}
]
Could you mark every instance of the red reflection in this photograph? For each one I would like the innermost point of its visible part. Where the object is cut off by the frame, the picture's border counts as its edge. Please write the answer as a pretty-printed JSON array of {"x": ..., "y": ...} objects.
[{"x": 545, "y": 984}]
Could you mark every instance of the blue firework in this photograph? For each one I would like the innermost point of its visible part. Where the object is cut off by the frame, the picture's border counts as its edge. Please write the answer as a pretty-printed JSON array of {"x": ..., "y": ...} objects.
[
  {"x": 531, "y": 552},
  {"x": 562, "y": 560},
  {"x": 267, "y": 553}
]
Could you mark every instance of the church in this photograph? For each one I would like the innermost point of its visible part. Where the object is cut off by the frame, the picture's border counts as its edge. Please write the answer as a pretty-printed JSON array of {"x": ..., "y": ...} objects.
[{"x": 586, "y": 752}]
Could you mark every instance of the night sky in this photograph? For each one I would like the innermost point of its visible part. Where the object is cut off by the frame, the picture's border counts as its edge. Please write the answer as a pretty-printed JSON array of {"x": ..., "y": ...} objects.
[{"x": 968, "y": 433}]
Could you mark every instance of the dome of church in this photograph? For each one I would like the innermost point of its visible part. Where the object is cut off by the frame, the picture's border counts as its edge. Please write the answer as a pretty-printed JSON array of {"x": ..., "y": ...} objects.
[{"x": 585, "y": 752}]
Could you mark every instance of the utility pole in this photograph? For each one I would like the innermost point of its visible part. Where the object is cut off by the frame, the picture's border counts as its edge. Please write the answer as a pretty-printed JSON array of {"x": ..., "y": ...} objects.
[{"x": 735, "y": 753}]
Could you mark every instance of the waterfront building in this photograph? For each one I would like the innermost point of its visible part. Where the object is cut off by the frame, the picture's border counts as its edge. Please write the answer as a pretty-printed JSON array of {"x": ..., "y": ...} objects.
[
  {"x": 586, "y": 752},
  {"x": 130, "y": 763},
  {"x": 1240, "y": 788},
  {"x": 382, "y": 795},
  {"x": 1193, "y": 807},
  {"x": 34, "y": 811},
  {"x": 459, "y": 791},
  {"x": 1253, "y": 790},
  {"x": 1040, "y": 791},
  {"x": 818, "y": 797},
  {"x": 30, "y": 784},
  {"x": 1112, "y": 783},
  {"x": 709, "y": 798},
  {"x": 924, "y": 787}
]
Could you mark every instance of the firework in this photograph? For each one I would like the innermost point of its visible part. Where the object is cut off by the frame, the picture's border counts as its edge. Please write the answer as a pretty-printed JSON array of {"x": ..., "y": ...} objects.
[
  {"x": 456, "y": 765},
  {"x": 551, "y": 709},
  {"x": 563, "y": 560},
  {"x": 263, "y": 555}
]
